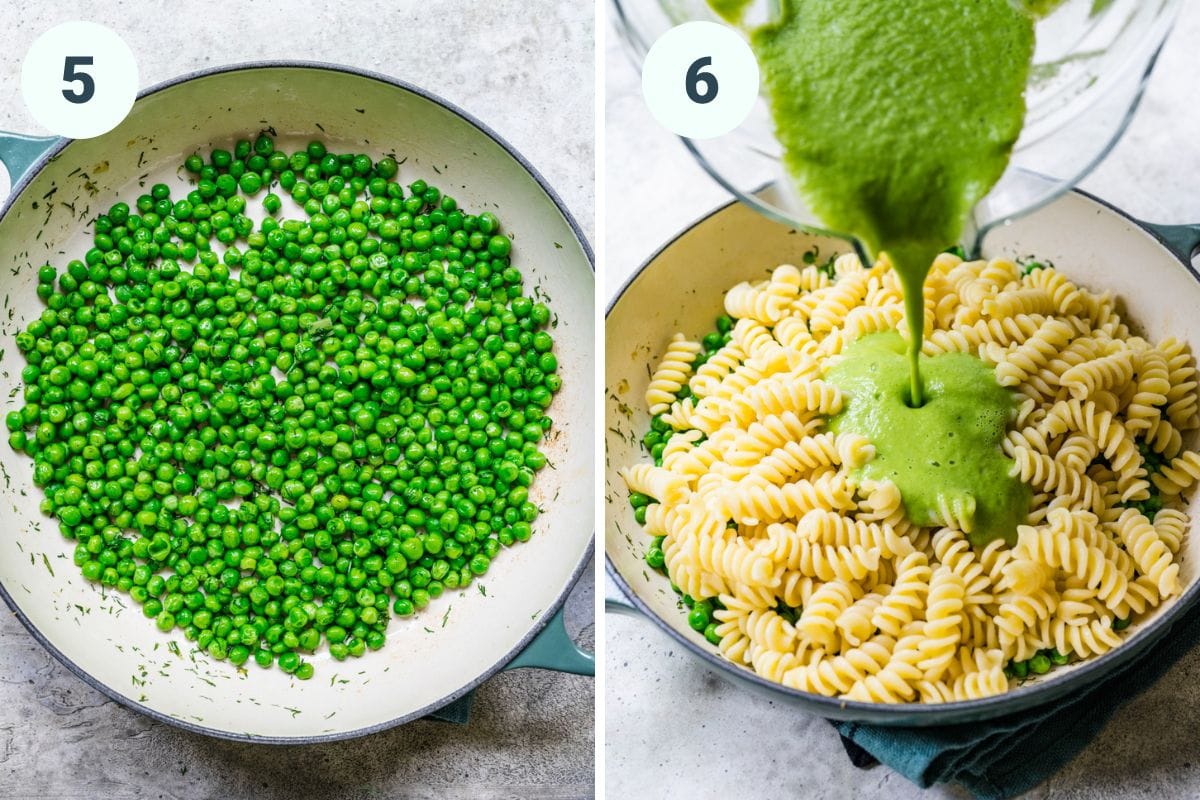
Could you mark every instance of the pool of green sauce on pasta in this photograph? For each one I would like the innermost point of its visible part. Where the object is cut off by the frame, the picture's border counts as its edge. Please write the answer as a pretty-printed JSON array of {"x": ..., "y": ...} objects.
[
  {"x": 948, "y": 447},
  {"x": 896, "y": 117}
]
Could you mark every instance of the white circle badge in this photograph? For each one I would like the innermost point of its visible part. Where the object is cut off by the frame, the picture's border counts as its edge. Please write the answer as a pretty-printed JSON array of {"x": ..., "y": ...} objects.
[
  {"x": 79, "y": 79},
  {"x": 700, "y": 80}
]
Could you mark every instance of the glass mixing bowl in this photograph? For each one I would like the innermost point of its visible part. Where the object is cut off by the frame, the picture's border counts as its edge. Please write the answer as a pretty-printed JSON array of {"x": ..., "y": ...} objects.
[{"x": 1091, "y": 65}]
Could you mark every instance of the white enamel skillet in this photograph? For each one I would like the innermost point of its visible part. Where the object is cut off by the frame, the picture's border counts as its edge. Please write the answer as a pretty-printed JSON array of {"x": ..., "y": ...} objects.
[
  {"x": 464, "y": 637},
  {"x": 681, "y": 288}
]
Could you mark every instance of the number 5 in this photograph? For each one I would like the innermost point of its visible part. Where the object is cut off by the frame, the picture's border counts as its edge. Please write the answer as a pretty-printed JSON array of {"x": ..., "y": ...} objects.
[
  {"x": 695, "y": 76},
  {"x": 70, "y": 75}
]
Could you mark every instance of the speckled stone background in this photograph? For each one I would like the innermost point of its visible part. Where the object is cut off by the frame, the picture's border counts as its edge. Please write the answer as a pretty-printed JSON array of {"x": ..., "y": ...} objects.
[
  {"x": 532, "y": 732},
  {"x": 673, "y": 729}
]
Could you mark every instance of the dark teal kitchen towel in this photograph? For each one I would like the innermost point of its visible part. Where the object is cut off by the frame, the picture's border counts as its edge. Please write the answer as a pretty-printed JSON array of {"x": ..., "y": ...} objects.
[
  {"x": 1001, "y": 758},
  {"x": 458, "y": 712}
]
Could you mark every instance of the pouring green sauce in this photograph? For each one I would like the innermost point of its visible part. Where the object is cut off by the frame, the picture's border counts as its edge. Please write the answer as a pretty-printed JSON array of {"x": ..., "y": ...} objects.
[
  {"x": 731, "y": 11},
  {"x": 896, "y": 117}
]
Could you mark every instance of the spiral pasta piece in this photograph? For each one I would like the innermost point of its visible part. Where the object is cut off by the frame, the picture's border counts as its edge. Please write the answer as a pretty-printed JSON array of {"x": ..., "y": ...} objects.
[
  {"x": 798, "y": 457},
  {"x": 765, "y": 302},
  {"x": 1181, "y": 397},
  {"x": 954, "y": 551},
  {"x": 752, "y": 504},
  {"x": 981, "y": 683},
  {"x": 768, "y": 629},
  {"x": 818, "y": 620},
  {"x": 993, "y": 278},
  {"x": 1043, "y": 472},
  {"x": 686, "y": 457},
  {"x": 1033, "y": 300},
  {"x": 786, "y": 394},
  {"x": 1019, "y": 612},
  {"x": 662, "y": 484},
  {"x": 671, "y": 374},
  {"x": 1067, "y": 298},
  {"x": 1171, "y": 524},
  {"x": 906, "y": 601},
  {"x": 943, "y": 618},
  {"x": 854, "y": 623},
  {"x": 1014, "y": 366},
  {"x": 829, "y": 563},
  {"x": 720, "y": 364},
  {"x": 719, "y": 550},
  {"x": 821, "y": 526},
  {"x": 1179, "y": 475},
  {"x": 1053, "y": 546},
  {"x": 1110, "y": 437},
  {"x": 1090, "y": 638},
  {"x": 893, "y": 684},
  {"x": 767, "y": 434},
  {"x": 1162, "y": 438},
  {"x": 1099, "y": 374},
  {"x": 1153, "y": 386},
  {"x": 836, "y": 675},
  {"x": 1003, "y": 332},
  {"x": 956, "y": 511},
  {"x": 837, "y": 301},
  {"x": 1153, "y": 558}
]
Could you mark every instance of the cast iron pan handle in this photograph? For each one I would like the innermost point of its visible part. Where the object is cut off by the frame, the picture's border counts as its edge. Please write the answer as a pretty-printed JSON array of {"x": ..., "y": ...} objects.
[
  {"x": 1182, "y": 240},
  {"x": 554, "y": 649},
  {"x": 615, "y": 600},
  {"x": 19, "y": 152}
]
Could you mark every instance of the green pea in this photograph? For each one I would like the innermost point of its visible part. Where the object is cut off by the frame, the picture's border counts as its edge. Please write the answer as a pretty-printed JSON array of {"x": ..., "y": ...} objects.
[
  {"x": 403, "y": 607},
  {"x": 386, "y": 167},
  {"x": 639, "y": 500},
  {"x": 250, "y": 183},
  {"x": 499, "y": 246},
  {"x": 655, "y": 558}
]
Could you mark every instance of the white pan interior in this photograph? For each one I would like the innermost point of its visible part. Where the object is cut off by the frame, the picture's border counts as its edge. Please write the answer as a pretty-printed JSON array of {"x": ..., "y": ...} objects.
[
  {"x": 682, "y": 289},
  {"x": 463, "y": 635}
]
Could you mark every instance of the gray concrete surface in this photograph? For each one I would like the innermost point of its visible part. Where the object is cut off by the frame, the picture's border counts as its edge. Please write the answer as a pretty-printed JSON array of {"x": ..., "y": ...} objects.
[
  {"x": 532, "y": 732},
  {"x": 673, "y": 729}
]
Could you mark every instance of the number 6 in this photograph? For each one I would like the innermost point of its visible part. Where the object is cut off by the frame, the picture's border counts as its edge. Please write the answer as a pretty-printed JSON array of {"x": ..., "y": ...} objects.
[
  {"x": 695, "y": 76},
  {"x": 70, "y": 75}
]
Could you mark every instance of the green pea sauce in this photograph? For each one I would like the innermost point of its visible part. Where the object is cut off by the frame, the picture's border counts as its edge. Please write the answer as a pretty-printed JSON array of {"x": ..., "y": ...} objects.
[
  {"x": 896, "y": 118},
  {"x": 731, "y": 11},
  {"x": 948, "y": 447}
]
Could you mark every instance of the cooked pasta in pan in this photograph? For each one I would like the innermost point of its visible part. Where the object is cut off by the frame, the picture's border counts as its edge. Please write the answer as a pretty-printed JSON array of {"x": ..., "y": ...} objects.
[{"x": 803, "y": 561}]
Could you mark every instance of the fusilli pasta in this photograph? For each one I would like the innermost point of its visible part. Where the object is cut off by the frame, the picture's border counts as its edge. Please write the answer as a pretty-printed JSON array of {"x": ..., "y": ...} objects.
[{"x": 819, "y": 580}]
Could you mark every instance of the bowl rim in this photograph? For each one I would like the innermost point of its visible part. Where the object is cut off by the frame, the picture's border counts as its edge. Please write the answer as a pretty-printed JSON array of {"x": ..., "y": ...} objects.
[
  {"x": 1031, "y": 695},
  {"x": 1152, "y": 41},
  {"x": 548, "y": 614}
]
